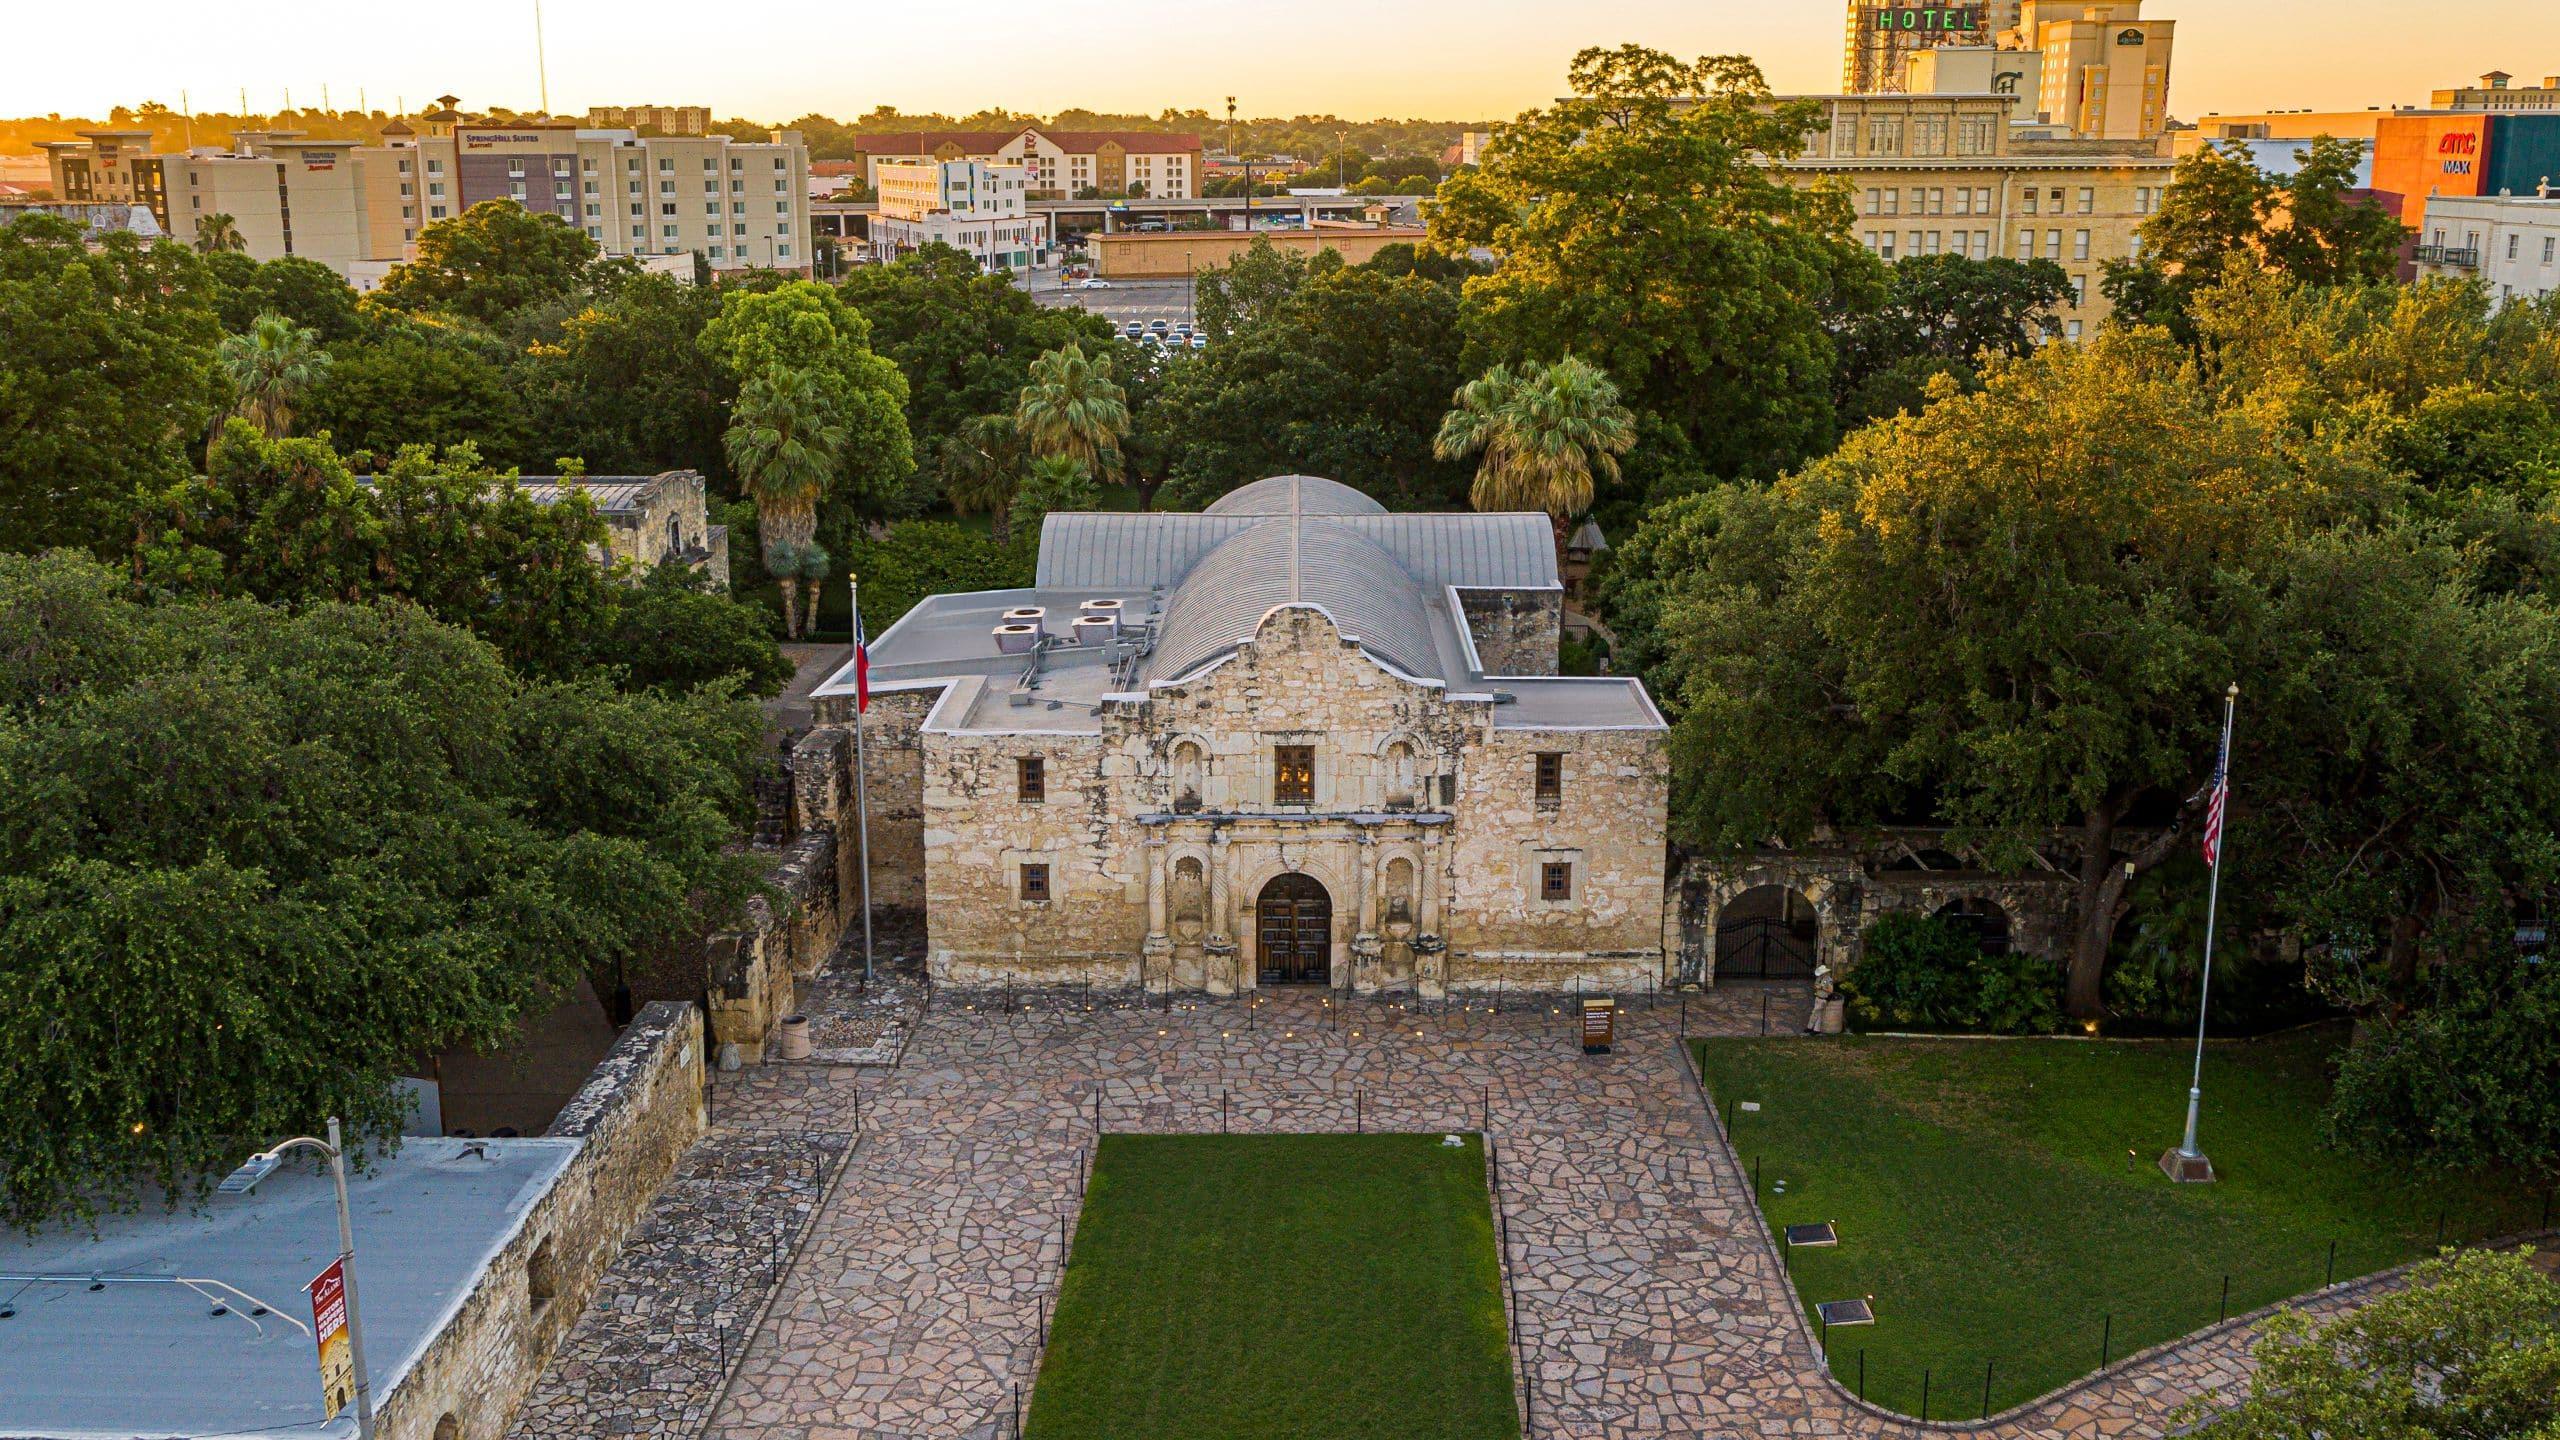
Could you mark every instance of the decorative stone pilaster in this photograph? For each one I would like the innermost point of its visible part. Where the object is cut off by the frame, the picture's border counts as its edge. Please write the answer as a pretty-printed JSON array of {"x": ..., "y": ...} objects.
[
  {"x": 1224, "y": 970},
  {"x": 1430, "y": 959},
  {"x": 1155, "y": 969},
  {"x": 1364, "y": 942}
]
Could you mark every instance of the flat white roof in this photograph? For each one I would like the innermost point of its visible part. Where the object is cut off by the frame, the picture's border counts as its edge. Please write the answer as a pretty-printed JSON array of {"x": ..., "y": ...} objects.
[{"x": 146, "y": 1359}]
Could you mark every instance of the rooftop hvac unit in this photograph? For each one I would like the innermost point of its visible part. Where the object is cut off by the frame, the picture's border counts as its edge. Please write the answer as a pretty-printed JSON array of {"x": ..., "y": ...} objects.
[
  {"x": 1017, "y": 639},
  {"x": 1094, "y": 629},
  {"x": 1037, "y": 617}
]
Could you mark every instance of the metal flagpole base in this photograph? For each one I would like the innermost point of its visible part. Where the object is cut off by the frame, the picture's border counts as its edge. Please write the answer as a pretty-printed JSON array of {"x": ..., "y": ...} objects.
[{"x": 2184, "y": 1168}]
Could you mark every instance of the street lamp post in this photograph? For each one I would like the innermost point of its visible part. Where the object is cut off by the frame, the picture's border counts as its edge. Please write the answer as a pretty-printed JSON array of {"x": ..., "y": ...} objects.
[{"x": 263, "y": 1164}]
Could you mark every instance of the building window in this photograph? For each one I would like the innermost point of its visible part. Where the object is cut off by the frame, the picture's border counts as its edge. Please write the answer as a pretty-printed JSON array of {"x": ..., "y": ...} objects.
[
  {"x": 1550, "y": 777},
  {"x": 2547, "y": 245},
  {"x": 2079, "y": 244},
  {"x": 1035, "y": 882},
  {"x": 2088, "y": 199},
  {"x": 1293, "y": 775},
  {"x": 2512, "y": 238},
  {"x": 1031, "y": 779},
  {"x": 2053, "y": 244},
  {"x": 2030, "y": 207},
  {"x": 1555, "y": 880}
]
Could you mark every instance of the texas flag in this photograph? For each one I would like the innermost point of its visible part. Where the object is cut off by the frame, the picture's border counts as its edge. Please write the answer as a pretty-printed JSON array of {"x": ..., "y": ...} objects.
[{"x": 861, "y": 661}]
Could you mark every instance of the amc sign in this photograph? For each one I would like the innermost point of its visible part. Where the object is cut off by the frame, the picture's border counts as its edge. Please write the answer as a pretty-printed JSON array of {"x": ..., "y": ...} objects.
[
  {"x": 1925, "y": 19},
  {"x": 2456, "y": 150}
]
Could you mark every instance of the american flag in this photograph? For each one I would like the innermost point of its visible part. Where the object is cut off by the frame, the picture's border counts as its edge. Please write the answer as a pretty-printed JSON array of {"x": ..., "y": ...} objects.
[{"x": 2213, "y": 808}]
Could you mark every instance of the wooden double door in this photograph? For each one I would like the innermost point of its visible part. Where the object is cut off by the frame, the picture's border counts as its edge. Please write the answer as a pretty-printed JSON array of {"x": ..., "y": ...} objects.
[{"x": 1293, "y": 932}]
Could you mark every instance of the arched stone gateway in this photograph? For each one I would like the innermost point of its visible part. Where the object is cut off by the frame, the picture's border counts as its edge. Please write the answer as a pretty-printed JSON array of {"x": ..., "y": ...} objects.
[{"x": 1293, "y": 932}]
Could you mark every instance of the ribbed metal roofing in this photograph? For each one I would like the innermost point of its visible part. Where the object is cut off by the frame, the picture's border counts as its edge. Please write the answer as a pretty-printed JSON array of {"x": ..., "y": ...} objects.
[
  {"x": 1294, "y": 495},
  {"x": 1121, "y": 551},
  {"x": 1302, "y": 560}
]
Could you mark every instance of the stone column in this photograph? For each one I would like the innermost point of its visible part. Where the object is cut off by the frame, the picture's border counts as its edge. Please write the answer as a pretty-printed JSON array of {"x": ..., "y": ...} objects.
[
  {"x": 1364, "y": 883},
  {"x": 1430, "y": 947},
  {"x": 1155, "y": 966},
  {"x": 1224, "y": 973}
]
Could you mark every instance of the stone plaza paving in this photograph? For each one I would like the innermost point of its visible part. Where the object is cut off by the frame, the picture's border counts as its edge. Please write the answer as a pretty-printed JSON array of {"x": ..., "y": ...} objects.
[{"x": 1650, "y": 1303}]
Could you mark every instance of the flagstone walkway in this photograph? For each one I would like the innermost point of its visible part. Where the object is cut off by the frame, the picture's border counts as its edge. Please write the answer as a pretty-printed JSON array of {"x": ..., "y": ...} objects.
[{"x": 1650, "y": 1302}]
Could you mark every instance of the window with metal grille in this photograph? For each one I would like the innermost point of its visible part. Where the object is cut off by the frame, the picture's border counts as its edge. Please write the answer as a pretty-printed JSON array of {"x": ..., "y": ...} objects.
[
  {"x": 1293, "y": 774},
  {"x": 1550, "y": 777},
  {"x": 1035, "y": 882},
  {"x": 1555, "y": 881},
  {"x": 1031, "y": 779}
]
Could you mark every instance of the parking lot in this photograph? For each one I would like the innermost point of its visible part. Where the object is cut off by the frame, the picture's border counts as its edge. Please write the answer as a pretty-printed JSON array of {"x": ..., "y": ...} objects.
[{"x": 1126, "y": 300}]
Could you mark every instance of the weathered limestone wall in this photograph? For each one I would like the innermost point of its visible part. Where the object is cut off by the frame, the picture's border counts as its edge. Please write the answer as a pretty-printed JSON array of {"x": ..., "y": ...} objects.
[
  {"x": 1516, "y": 632},
  {"x": 1607, "y": 824},
  {"x": 981, "y": 930},
  {"x": 636, "y": 1116},
  {"x": 756, "y": 971},
  {"x": 893, "y": 771}
]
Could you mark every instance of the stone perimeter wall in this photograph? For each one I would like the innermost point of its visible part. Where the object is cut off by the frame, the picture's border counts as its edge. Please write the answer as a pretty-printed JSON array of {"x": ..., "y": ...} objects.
[
  {"x": 636, "y": 1116},
  {"x": 756, "y": 971}
]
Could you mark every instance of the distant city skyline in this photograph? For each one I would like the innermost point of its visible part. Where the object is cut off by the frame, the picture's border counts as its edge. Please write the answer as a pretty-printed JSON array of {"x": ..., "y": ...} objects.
[{"x": 1433, "y": 59}]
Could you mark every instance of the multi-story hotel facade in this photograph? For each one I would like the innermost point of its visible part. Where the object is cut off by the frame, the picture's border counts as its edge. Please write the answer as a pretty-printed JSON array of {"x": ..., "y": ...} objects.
[
  {"x": 1061, "y": 164},
  {"x": 974, "y": 208},
  {"x": 1942, "y": 174}
]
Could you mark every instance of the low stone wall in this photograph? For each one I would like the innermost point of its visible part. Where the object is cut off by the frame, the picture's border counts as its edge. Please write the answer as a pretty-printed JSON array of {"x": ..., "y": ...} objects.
[
  {"x": 637, "y": 1115},
  {"x": 756, "y": 971}
]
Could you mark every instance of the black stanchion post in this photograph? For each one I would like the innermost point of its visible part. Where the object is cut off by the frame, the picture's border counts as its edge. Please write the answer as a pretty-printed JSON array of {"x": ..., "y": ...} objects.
[
  {"x": 1924, "y": 1395},
  {"x": 1986, "y": 1389},
  {"x": 1359, "y": 1110},
  {"x": 1755, "y": 1177},
  {"x": 1684, "y": 1014},
  {"x": 1826, "y": 1337},
  {"x": 2331, "y": 1276},
  {"x": 2106, "y": 1340},
  {"x": 1222, "y": 1112},
  {"x": 2224, "y": 1313},
  {"x": 1862, "y": 1372},
  {"x": 1488, "y": 1108},
  {"x": 1017, "y": 1412},
  {"x": 1764, "y": 1012}
]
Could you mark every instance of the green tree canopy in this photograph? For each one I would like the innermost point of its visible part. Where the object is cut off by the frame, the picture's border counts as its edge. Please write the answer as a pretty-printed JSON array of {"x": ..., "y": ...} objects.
[
  {"x": 489, "y": 262},
  {"x": 2221, "y": 209},
  {"x": 420, "y": 382},
  {"x": 1547, "y": 437},
  {"x": 107, "y": 379},
  {"x": 627, "y": 386},
  {"x": 1641, "y": 226},
  {"x": 806, "y": 328},
  {"x": 1939, "y": 315},
  {"x": 1069, "y": 405},
  {"x": 261, "y": 859}
]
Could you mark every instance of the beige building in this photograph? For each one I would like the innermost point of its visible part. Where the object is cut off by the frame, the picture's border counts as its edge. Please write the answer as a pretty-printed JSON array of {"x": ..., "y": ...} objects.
[
  {"x": 667, "y": 119},
  {"x": 974, "y": 208},
  {"x": 1976, "y": 70},
  {"x": 2105, "y": 69},
  {"x": 2497, "y": 90},
  {"x": 739, "y": 205},
  {"x": 109, "y": 167},
  {"x": 1062, "y": 164},
  {"x": 1292, "y": 740},
  {"x": 1883, "y": 35},
  {"x": 1140, "y": 255},
  {"x": 1942, "y": 174}
]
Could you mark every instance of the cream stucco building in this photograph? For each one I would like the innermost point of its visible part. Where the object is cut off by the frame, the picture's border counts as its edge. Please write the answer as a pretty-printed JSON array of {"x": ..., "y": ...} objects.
[{"x": 1292, "y": 740}]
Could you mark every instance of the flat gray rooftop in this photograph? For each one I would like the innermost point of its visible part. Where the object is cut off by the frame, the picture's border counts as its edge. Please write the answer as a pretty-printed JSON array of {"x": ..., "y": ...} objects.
[{"x": 133, "y": 1360}]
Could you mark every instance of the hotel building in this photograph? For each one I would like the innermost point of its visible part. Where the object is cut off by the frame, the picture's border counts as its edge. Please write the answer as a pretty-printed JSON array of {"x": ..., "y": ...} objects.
[
  {"x": 972, "y": 207},
  {"x": 1061, "y": 164}
]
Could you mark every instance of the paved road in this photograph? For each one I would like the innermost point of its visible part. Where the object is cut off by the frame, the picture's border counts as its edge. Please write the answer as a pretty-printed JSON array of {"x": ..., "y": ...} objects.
[{"x": 1126, "y": 300}]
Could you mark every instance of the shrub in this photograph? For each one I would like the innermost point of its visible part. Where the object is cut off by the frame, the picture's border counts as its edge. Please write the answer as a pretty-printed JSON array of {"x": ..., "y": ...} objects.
[
  {"x": 2471, "y": 1078},
  {"x": 1924, "y": 973}
]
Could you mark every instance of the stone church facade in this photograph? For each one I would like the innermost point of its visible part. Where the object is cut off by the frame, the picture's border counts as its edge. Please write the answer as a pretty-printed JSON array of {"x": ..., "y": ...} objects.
[{"x": 1292, "y": 740}]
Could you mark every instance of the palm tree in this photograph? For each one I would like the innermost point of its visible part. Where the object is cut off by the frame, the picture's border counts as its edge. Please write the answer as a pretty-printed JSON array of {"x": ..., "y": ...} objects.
[
  {"x": 1545, "y": 432},
  {"x": 1072, "y": 408},
  {"x": 981, "y": 464},
  {"x": 1055, "y": 482},
  {"x": 269, "y": 367},
  {"x": 784, "y": 447},
  {"x": 218, "y": 232}
]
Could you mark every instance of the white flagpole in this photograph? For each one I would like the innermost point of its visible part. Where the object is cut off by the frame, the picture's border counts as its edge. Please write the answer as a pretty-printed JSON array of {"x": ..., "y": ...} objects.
[
  {"x": 2212, "y": 907},
  {"x": 861, "y": 798}
]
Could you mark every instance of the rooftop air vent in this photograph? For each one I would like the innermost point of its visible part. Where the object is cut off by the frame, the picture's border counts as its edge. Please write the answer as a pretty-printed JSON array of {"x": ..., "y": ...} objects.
[
  {"x": 1094, "y": 629},
  {"x": 1017, "y": 639},
  {"x": 1035, "y": 616}
]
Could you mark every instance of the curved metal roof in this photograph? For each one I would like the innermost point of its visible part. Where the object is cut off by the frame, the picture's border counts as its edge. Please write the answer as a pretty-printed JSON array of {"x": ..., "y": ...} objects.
[
  {"x": 1284, "y": 561},
  {"x": 1121, "y": 551},
  {"x": 1294, "y": 495}
]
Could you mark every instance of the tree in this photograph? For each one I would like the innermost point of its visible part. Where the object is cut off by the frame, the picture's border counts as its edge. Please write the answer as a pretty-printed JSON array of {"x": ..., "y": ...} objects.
[
  {"x": 2220, "y": 209},
  {"x": 218, "y": 232},
  {"x": 784, "y": 445},
  {"x": 423, "y": 383},
  {"x": 1347, "y": 378},
  {"x": 488, "y": 262},
  {"x": 2011, "y": 612},
  {"x": 107, "y": 380},
  {"x": 1071, "y": 407},
  {"x": 2470, "y": 1350},
  {"x": 1641, "y": 225},
  {"x": 269, "y": 369},
  {"x": 1939, "y": 314},
  {"x": 306, "y": 292},
  {"x": 803, "y": 326},
  {"x": 628, "y": 386},
  {"x": 1256, "y": 286},
  {"x": 357, "y": 839},
  {"x": 981, "y": 465},
  {"x": 964, "y": 339},
  {"x": 1054, "y": 482},
  {"x": 675, "y": 632},
  {"x": 1546, "y": 432}
]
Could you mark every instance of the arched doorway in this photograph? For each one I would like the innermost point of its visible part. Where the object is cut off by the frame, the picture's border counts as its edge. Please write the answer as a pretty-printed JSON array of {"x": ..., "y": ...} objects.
[
  {"x": 1984, "y": 920},
  {"x": 1768, "y": 932},
  {"x": 1293, "y": 932}
]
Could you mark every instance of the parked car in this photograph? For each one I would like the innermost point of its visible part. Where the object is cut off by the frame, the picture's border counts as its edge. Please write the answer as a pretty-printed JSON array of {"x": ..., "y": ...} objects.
[
  {"x": 1096, "y": 283},
  {"x": 1199, "y": 341},
  {"x": 1133, "y": 329},
  {"x": 1158, "y": 326}
]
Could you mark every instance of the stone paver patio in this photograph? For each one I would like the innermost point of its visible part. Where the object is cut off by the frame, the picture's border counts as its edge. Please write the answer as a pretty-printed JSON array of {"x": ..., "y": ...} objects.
[{"x": 1650, "y": 1303}]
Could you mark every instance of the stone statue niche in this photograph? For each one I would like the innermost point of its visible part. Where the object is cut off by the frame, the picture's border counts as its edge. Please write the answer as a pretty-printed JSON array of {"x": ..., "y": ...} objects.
[
  {"x": 1190, "y": 921},
  {"x": 1395, "y": 951},
  {"x": 1186, "y": 781}
]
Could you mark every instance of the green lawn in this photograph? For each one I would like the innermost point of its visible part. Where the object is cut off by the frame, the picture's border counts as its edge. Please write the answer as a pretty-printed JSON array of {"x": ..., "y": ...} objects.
[
  {"x": 1299, "y": 1286},
  {"x": 2000, "y": 1200}
]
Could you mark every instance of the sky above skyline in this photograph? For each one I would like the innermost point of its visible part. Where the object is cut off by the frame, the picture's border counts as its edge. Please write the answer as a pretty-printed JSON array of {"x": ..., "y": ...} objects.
[{"x": 1443, "y": 59}]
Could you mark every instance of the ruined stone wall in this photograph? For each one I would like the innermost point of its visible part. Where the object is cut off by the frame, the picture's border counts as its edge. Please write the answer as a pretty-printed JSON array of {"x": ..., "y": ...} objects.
[
  {"x": 632, "y": 1121},
  {"x": 1516, "y": 632},
  {"x": 894, "y": 774},
  {"x": 1607, "y": 824},
  {"x": 756, "y": 970}
]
